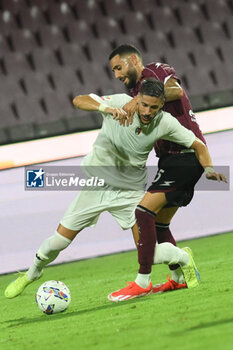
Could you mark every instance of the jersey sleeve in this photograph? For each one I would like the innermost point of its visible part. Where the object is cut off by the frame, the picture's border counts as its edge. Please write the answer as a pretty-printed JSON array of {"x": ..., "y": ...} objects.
[
  {"x": 117, "y": 100},
  {"x": 173, "y": 131}
]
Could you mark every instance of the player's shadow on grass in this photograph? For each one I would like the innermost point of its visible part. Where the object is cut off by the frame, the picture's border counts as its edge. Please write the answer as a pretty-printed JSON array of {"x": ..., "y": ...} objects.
[
  {"x": 204, "y": 325},
  {"x": 45, "y": 318}
]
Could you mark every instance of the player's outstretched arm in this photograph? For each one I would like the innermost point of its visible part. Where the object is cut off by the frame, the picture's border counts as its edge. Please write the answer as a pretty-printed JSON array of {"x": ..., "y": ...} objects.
[
  {"x": 173, "y": 90},
  {"x": 204, "y": 158},
  {"x": 87, "y": 103}
]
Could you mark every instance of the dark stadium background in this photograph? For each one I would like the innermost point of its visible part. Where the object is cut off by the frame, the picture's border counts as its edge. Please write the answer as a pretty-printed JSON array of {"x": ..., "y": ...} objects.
[{"x": 51, "y": 51}]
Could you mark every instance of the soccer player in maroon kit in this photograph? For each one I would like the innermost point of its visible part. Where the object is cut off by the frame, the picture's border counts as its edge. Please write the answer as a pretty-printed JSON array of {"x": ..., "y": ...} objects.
[{"x": 174, "y": 163}]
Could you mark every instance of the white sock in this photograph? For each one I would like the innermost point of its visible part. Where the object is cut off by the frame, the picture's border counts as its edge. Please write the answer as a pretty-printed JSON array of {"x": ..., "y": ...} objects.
[
  {"x": 143, "y": 280},
  {"x": 177, "y": 275},
  {"x": 167, "y": 253},
  {"x": 47, "y": 252}
]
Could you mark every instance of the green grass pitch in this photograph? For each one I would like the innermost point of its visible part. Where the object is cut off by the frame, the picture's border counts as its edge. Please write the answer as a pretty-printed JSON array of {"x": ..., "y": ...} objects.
[{"x": 199, "y": 318}]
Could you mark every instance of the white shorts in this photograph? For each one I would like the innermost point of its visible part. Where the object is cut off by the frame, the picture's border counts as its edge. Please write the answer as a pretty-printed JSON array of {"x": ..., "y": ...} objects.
[{"x": 86, "y": 208}]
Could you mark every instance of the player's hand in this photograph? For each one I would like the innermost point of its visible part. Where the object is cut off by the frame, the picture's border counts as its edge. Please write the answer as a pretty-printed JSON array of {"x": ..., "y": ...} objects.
[
  {"x": 130, "y": 108},
  {"x": 117, "y": 113},
  {"x": 216, "y": 177}
]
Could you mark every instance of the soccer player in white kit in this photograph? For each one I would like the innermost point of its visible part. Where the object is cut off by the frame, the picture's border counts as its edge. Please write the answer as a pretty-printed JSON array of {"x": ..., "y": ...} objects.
[{"x": 119, "y": 156}]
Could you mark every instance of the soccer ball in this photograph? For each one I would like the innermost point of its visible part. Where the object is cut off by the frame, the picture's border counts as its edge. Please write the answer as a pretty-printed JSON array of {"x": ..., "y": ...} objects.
[{"x": 53, "y": 297}]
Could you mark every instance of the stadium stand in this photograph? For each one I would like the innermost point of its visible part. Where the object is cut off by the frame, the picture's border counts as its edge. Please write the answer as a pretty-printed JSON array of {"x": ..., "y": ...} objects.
[
  {"x": 190, "y": 14},
  {"x": 31, "y": 18},
  {"x": 79, "y": 32},
  {"x": 116, "y": 8},
  {"x": 7, "y": 23},
  {"x": 50, "y": 36},
  {"x": 143, "y": 6},
  {"x": 88, "y": 10},
  {"x": 167, "y": 19},
  {"x": 23, "y": 41},
  {"x": 51, "y": 50}
]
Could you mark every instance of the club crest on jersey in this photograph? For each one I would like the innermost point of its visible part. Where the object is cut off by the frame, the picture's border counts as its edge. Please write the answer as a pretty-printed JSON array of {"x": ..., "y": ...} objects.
[{"x": 138, "y": 131}]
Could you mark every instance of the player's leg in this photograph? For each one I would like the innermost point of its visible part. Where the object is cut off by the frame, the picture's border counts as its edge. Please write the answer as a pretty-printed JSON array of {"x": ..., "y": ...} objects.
[
  {"x": 50, "y": 249},
  {"x": 164, "y": 234},
  {"x": 81, "y": 213},
  {"x": 145, "y": 215},
  {"x": 47, "y": 253}
]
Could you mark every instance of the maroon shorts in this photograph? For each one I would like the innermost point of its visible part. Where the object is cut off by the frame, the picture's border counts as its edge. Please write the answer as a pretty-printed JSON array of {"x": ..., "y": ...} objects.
[{"x": 176, "y": 176}]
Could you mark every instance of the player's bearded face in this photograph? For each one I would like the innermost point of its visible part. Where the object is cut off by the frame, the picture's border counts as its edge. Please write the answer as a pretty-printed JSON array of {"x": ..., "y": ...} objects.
[
  {"x": 124, "y": 70},
  {"x": 148, "y": 107}
]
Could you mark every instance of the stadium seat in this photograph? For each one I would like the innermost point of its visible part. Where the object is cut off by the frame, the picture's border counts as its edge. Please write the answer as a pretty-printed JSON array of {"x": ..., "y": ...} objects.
[
  {"x": 44, "y": 59},
  {"x": 66, "y": 81},
  {"x": 227, "y": 52},
  {"x": 98, "y": 79},
  {"x": 145, "y": 6},
  {"x": 129, "y": 39},
  {"x": 99, "y": 50},
  {"x": 72, "y": 55},
  {"x": 217, "y": 12},
  {"x": 60, "y": 13},
  {"x": 116, "y": 8},
  {"x": 212, "y": 32},
  {"x": 205, "y": 56},
  {"x": 23, "y": 40},
  {"x": 185, "y": 38},
  {"x": 223, "y": 75},
  {"x": 4, "y": 137},
  {"x": 69, "y": 2},
  {"x": 16, "y": 64},
  {"x": 13, "y": 6},
  {"x": 41, "y": 4},
  {"x": 88, "y": 10},
  {"x": 7, "y": 116},
  {"x": 190, "y": 14},
  {"x": 4, "y": 47},
  {"x": 29, "y": 109},
  {"x": 178, "y": 60},
  {"x": 10, "y": 88},
  {"x": 51, "y": 36},
  {"x": 229, "y": 26},
  {"x": 163, "y": 19},
  {"x": 84, "y": 122},
  {"x": 80, "y": 32},
  {"x": 48, "y": 129},
  {"x": 221, "y": 99},
  {"x": 108, "y": 28},
  {"x": 172, "y": 4},
  {"x": 199, "y": 102},
  {"x": 21, "y": 132},
  {"x": 7, "y": 23},
  {"x": 156, "y": 42},
  {"x": 199, "y": 82},
  {"x": 135, "y": 23},
  {"x": 32, "y": 18},
  {"x": 58, "y": 106},
  {"x": 37, "y": 84}
]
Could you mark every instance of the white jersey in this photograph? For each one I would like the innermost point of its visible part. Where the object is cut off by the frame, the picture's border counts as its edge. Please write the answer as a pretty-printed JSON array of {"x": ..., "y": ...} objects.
[{"x": 120, "y": 153}]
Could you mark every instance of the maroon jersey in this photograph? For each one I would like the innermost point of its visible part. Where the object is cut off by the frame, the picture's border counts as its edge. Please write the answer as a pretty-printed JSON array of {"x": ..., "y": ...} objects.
[{"x": 180, "y": 109}]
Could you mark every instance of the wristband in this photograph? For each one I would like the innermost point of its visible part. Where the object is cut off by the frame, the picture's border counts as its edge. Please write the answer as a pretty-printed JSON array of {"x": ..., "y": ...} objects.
[
  {"x": 209, "y": 169},
  {"x": 102, "y": 108}
]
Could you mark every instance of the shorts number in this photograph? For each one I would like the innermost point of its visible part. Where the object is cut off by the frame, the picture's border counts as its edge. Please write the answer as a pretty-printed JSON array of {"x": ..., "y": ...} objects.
[{"x": 160, "y": 172}]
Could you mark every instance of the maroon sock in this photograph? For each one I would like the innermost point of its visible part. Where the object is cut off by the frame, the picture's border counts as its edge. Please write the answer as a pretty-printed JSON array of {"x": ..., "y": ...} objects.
[
  {"x": 147, "y": 238},
  {"x": 164, "y": 235}
]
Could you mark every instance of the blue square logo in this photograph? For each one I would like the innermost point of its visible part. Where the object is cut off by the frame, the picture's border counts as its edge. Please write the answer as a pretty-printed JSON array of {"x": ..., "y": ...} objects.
[{"x": 35, "y": 178}]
